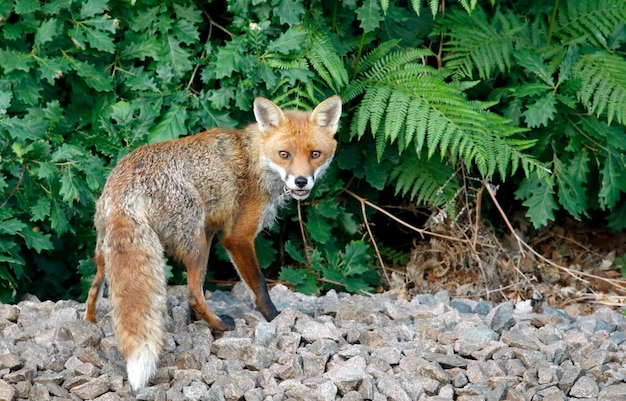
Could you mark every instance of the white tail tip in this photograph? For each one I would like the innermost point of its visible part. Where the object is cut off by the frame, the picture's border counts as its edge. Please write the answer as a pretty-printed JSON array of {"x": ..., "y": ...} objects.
[{"x": 141, "y": 366}]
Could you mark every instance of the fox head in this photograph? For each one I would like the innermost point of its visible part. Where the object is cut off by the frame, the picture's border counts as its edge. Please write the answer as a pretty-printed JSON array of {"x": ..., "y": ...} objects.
[{"x": 298, "y": 145}]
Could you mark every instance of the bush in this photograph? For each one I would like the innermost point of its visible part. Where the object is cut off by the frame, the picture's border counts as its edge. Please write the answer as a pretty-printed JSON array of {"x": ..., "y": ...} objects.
[{"x": 84, "y": 82}]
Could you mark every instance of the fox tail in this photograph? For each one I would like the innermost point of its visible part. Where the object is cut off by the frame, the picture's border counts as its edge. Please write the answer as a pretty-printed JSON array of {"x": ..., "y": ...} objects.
[{"x": 133, "y": 256}]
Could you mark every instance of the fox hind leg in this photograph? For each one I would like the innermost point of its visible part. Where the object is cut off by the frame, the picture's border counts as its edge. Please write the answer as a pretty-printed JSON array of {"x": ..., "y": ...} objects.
[{"x": 96, "y": 287}]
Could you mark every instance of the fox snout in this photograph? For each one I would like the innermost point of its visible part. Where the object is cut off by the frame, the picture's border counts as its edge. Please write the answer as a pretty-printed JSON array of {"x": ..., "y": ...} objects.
[{"x": 300, "y": 188}]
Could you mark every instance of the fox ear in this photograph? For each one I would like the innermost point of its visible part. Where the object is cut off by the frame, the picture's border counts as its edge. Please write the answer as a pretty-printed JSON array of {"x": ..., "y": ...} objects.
[
  {"x": 267, "y": 114},
  {"x": 327, "y": 113}
]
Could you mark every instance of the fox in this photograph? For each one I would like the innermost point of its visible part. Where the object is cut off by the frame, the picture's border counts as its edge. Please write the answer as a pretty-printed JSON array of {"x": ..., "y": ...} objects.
[{"x": 172, "y": 198}]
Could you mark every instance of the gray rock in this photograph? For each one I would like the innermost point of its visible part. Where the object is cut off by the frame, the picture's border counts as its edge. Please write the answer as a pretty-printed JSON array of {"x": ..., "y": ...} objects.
[
  {"x": 461, "y": 306},
  {"x": 92, "y": 388},
  {"x": 615, "y": 392},
  {"x": 264, "y": 333},
  {"x": 312, "y": 331},
  {"x": 478, "y": 333},
  {"x": 446, "y": 361},
  {"x": 517, "y": 339},
  {"x": 434, "y": 371},
  {"x": 7, "y": 392},
  {"x": 326, "y": 391},
  {"x": 337, "y": 346},
  {"x": 352, "y": 370},
  {"x": 231, "y": 348},
  {"x": 391, "y": 355},
  {"x": 389, "y": 387},
  {"x": 585, "y": 387},
  {"x": 502, "y": 318},
  {"x": 482, "y": 308}
]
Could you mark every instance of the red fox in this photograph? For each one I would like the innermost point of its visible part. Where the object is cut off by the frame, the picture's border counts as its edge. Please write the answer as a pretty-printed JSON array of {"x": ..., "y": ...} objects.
[{"x": 173, "y": 197}]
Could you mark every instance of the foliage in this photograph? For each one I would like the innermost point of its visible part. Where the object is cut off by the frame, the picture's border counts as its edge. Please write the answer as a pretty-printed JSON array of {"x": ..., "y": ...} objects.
[
  {"x": 559, "y": 73},
  {"x": 534, "y": 94}
]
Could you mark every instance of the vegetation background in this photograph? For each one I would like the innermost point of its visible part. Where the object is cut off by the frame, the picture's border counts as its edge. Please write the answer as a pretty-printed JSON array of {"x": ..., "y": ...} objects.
[{"x": 441, "y": 98}]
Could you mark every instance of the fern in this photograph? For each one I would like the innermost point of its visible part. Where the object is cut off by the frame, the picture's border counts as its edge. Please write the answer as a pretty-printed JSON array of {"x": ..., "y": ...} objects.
[
  {"x": 590, "y": 22},
  {"x": 410, "y": 103},
  {"x": 478, "y": 44},
  {"x": 426, "y": 181},
  {"x": 603, "y": 84},
  {"x": 324, "y": 59}
]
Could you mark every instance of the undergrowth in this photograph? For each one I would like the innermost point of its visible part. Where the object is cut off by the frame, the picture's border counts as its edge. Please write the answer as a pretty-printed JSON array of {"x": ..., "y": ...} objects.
[{"x": 530, "y": 95}]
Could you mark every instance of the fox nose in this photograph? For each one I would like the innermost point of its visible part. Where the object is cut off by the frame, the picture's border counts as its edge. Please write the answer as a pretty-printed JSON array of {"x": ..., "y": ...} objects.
[{"x": 300, "y": 181}]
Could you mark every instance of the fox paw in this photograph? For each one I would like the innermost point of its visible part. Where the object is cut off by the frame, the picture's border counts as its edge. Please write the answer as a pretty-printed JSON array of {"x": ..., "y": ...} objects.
[{"x": 228, "y": 323}]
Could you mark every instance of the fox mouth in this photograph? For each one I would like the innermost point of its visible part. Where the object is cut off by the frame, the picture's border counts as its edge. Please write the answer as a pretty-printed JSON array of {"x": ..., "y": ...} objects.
[{"x": 299, "y": 194}]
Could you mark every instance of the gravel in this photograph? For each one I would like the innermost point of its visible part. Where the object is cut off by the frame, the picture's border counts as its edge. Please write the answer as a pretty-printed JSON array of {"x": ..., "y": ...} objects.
[{"x": 333, "y": 347}]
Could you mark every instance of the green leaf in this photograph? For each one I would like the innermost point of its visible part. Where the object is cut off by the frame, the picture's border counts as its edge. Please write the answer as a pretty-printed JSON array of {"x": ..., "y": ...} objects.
[
  {"x": 58, "y": 219},
  {"x": 617, "y": 220},
  {"x": 26, "y": 6},
  {"x": 189, "y": 13},
  {"x": 171, "y": 126},
  {"x": 613, "y": 180},
  {"x": 37, "y": 240},
  {"x": 94, "y": 77},
  {"x": 291, "y": 41},
  {"x": 97, "y": 38},
  {"x": 578, "y": 167},
  {"x": 294, "y": 252},
  {"x": 533, "y": 62},
  {"x": 54, "y": 6},
  {"x": 265, "y": 251},
  {"x": 13, "y": 60},
  {"x": 318, "y": 226},
  {"x": 370, "y": 16},
  {"x": 571, "y": 191},
  {"x": 356, "y": 256},
  {"x": 541, "y": 112},
  {"x": 69, "y": 190},
  {"x": 93, "y": 7},
  {"x": 186, "y": 31},
  {"x": 140, "y": 49},
  {"x": 290, "y": 12},
  {"x": 302, "y": 279},
  {"x": 52, "y": 69},
  {"x": 538, "y": 196},
  {"x": 40, "y": 210},
  {"x": 5, "y": 101},
  {"x": 47, "y": 31},
  {"x": 229, "y": 57},
  {"x": 348, "y": 223},
  {"x": 326, "y": 207},
  {"x": 12, "y": 226},
  {"x": 374, "y": 174}
]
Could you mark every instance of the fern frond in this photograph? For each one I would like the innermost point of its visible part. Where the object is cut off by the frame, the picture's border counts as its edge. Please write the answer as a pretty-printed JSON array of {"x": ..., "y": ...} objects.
[
  {"x": 410, "y": 103},
  {"x": 425, "y": 181},
  {"x": 479, "y": 44},
  {"x": 603, "y": 84},
  {"x": 324, "y": 59},
  {"x": 377, "y": 54},
  {"x": 590, "y": 21}
]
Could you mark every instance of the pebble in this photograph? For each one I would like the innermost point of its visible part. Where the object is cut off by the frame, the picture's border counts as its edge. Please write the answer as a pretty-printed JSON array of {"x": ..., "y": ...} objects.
[{"x": 328, "y": 348}]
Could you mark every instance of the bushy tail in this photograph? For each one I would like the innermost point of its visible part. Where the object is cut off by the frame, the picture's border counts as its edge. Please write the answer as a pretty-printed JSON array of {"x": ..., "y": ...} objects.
[{"x": 135, "y": 272}]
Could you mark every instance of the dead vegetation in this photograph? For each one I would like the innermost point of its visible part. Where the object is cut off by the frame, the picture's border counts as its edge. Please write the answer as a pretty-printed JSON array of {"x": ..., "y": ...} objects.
[{"x": 571, "y": 266}]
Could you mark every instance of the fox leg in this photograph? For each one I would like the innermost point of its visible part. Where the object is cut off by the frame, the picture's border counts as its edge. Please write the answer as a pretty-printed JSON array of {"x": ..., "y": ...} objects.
[
  {"x": 94, "y": 291},
  {"x": 196, "y": 264},
  {"x": 239, "y": 242}
]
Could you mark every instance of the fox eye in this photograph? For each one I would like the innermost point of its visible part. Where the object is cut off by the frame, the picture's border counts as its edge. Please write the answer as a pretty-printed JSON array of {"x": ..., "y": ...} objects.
[
  {"x": 315, "y": 154},
  {"x": 283, "y": 154}
]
